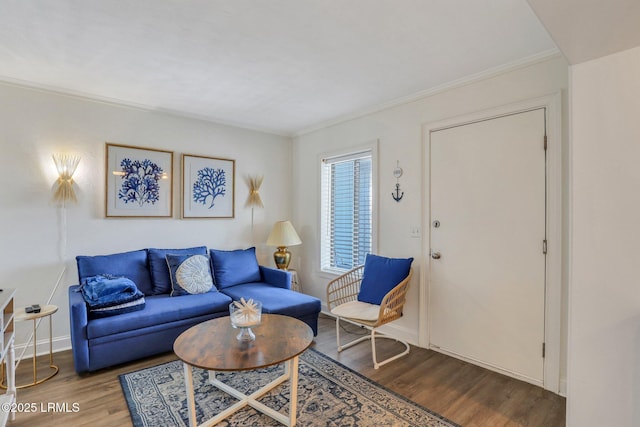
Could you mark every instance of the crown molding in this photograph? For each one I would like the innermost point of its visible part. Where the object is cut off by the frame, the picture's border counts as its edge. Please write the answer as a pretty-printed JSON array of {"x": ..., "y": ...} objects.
[
  {"x": 473, "y": 78},
  {"x": 24, "y": 84},
  {"x": 483, "y": 75}
]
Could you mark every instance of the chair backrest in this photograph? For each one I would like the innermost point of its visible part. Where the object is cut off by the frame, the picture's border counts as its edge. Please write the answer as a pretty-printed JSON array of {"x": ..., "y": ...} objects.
[
  {"x": 393, "y": 302},
  {"x": 381, "y": 275},
  {"x": 344, "y": 288}
]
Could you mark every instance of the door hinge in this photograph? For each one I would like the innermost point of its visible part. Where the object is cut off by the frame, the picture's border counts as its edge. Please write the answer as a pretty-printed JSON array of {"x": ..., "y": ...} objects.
[
  {"x": 544, "y": 246},
  {"x": 545, "y": 143},
  {"x": 543, "y": 350}
]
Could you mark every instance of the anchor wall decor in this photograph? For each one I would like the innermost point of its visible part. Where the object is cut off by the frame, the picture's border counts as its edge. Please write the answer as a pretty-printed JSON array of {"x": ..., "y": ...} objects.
[{"x": 397, "y": 172}]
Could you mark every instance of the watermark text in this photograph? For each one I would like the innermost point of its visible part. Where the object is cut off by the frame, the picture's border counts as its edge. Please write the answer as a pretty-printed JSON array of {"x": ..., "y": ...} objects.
[{"x": 41, "y": 407}]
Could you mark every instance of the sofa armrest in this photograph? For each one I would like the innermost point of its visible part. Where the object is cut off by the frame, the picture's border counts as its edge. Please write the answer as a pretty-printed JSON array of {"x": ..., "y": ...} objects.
[
  {"x": 78, "y": 321},
  {"x": 276, "y": 277}
]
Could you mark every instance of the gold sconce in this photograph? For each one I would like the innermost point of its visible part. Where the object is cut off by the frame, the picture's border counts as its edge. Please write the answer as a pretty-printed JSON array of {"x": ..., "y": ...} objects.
[
  {"x": 254, "y": 191},
  {"x": 66, "y": 165},
  {"x": 254, "y": 200}
]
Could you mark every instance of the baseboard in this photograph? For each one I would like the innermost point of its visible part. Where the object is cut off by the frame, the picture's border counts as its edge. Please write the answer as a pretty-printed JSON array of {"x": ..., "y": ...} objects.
[
  {"x": 490, "y": 367},
  {"x": 24, "y": 351}
]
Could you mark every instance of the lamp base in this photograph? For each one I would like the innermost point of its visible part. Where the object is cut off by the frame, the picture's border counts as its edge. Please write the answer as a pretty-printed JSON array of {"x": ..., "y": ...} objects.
[{"x": 282, "y": 257}]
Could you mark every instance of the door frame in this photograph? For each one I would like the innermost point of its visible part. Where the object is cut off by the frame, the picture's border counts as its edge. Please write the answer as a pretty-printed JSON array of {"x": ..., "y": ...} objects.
[{"x": 553, "y": 286}]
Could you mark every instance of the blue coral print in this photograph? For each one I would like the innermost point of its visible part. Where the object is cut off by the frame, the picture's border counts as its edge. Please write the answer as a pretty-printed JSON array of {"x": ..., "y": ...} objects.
[
  {"x": 140, "y": 182},
  {"x": 210, "y": 184}
]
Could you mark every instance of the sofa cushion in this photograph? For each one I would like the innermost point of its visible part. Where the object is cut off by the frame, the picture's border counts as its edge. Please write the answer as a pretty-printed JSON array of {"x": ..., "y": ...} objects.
[
  {"x": 190, "y": 274},
  {"x": 160, "y": 280},
  {"x": 380, "y": 275},
  {"x": 160, "y": 309},
  {"x": 234, "y": 267},
  {"x": 132, "y": 265},
  {"x": 275, "y": 300}
]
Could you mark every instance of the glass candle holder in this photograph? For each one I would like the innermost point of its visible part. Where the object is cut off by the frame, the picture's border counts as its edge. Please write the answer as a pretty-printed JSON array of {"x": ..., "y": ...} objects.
[{"x": 245, "y": 315}]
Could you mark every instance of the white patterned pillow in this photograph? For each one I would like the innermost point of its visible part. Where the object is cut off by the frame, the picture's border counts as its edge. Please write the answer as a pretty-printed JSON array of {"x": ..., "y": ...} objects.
[{"x": 190, "y": 274}]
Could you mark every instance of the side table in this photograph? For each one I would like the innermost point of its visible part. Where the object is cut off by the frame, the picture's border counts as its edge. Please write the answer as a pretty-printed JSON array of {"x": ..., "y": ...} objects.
[
  {"x": 295, "y": 282},
  {"x": 46, "y": 311}
]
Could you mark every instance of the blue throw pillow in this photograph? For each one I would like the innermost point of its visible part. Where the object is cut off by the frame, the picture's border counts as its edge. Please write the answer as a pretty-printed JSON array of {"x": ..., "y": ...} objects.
[
  {"x": 190, "y": 274},
  {"x": 160, "y": 275},
  {"x": 380, "y": 275},
  {"x": 132, "y": 265},
  {"x": 235, "y": 267}
]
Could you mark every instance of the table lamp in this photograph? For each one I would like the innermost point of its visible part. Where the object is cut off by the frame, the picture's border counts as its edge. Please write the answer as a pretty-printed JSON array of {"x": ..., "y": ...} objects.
[{"x": 282, "y": 235}]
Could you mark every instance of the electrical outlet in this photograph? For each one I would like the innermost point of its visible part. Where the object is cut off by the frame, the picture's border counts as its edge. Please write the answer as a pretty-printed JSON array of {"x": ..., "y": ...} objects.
[{"x": 414, "y": 232}]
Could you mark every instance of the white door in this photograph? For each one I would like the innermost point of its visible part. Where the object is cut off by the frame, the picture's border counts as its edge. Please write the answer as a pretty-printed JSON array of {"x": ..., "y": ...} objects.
[{"x": 487, "y": 267}]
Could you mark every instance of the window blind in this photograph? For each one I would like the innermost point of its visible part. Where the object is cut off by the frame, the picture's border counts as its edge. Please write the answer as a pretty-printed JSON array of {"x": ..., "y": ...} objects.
[{"x": 346, "y": 211}]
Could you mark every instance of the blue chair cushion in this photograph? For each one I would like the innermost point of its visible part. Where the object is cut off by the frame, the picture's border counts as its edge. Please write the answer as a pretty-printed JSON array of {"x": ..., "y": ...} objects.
[
  {"x": 160, "y": 309},
  {"x": 132, "y": 265},
  {"x": 276, "y": 300},
  {"x": 380, "y": 275},
  {"x": 160, "y": 279},
  {"x": 234, "y": 267},
  {"x": 190, "y": 274}
]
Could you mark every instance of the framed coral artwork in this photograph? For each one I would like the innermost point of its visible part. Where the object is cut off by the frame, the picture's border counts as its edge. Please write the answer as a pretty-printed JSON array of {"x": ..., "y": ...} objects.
[
  {"x": 208, "y": 187},
  {"x": 139, "y": 182}
]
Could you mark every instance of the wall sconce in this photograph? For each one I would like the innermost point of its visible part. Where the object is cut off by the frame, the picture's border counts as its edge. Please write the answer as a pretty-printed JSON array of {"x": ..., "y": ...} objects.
[
  {"x": 254, "y": 199},
  {"x": 254, "y": 191},
  {"x": 66, "y": 166},
  {"x": 282, "y": 235}
]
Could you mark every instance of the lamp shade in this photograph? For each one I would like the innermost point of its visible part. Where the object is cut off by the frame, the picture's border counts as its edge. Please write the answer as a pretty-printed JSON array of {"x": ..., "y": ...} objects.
[{"x": 283, "y": 234}]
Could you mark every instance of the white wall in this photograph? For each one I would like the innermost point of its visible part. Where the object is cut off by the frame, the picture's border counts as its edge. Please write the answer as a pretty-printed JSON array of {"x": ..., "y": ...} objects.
[
  {"x": 399, "y": 130},
  {"x": 35, "y": 124},
  {"x": 604, "y": 294}
]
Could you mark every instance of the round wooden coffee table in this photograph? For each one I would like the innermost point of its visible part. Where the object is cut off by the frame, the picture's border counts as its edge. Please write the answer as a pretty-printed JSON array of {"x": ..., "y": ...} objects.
[{"x": 212, "y": 345}]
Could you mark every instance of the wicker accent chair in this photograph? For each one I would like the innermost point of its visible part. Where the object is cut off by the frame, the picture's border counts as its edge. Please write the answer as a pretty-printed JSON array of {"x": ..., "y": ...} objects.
[{"x": 342, "y": 300}]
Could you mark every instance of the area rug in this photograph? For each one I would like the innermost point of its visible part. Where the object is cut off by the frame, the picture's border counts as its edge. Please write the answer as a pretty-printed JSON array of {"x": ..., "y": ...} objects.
[{"x": 329, "y": 394}]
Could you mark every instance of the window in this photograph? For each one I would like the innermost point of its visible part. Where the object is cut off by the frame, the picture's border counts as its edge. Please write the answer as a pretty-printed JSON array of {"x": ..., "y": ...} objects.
[{"x": 347, "y": 210}]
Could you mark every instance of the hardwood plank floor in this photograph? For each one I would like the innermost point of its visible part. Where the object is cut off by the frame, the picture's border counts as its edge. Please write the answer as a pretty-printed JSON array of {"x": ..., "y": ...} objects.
[{"x": 464, "y": 393}]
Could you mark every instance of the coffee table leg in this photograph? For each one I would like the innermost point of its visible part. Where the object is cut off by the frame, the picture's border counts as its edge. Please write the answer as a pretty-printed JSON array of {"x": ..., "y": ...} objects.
[
  {"x": 191, "y": 404},
  {"x": 291, "y": 373},
  {"x": 293, "y": 390}
]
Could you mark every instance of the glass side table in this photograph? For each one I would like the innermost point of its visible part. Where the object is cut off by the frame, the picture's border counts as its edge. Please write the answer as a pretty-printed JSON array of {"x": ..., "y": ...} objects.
[
  {"x": 295, "y": 283},
  {"x": 46, "y": 311}
]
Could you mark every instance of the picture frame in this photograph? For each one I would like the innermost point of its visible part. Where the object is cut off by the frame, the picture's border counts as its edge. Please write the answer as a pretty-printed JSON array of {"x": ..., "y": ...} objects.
[
  {"x": 208, "y": 187},
  {"x": 139, "y": 182}
]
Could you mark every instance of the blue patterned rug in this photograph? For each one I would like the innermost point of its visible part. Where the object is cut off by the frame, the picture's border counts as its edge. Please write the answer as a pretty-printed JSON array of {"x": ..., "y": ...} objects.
[{"x": 329, "y": 394}]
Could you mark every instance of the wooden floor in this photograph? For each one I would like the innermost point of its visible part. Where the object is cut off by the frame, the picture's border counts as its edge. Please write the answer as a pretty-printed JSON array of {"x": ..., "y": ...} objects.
[{"x": 464, "y": 393}]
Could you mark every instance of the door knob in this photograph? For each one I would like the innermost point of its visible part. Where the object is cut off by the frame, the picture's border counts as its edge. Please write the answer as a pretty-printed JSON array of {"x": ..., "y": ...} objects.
[{"x": 435, "y": 255}]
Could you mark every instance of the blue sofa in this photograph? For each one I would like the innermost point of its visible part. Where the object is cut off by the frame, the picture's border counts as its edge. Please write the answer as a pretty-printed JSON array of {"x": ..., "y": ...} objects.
[{"x": 99, "y": 342}]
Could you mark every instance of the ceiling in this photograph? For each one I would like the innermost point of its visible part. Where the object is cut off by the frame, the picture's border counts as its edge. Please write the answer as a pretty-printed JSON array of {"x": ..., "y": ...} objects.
[
  {"x": 281, "y": 66},
  {"x": 288, "y": 66},
  {"x": 588, "y": 29}
]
